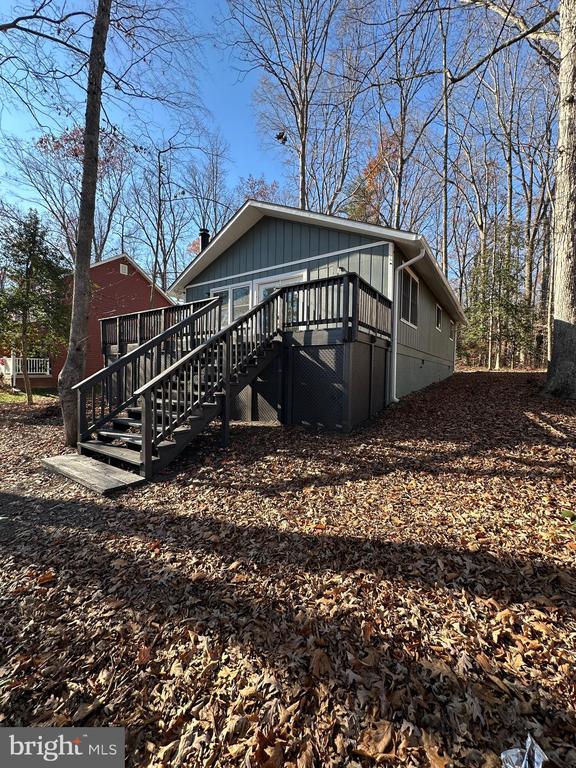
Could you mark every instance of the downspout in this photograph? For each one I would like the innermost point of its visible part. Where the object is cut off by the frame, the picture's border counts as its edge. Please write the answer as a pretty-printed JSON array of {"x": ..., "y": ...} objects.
[{"x": 396, "y": 318}]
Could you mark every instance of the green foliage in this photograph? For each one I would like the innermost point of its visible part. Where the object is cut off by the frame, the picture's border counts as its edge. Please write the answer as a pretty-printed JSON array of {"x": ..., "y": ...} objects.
[
  {"x": 497, "y": 309},
  {"x": 34, "y": 302}
]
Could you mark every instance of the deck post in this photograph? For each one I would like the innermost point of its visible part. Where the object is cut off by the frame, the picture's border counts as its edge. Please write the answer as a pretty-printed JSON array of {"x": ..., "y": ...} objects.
[
  {"x": 355, "y": 306},
  {"x": 345, "y": 306},
  {"x": 226, "y": 405},
  {"x": 146, "y": 450}
]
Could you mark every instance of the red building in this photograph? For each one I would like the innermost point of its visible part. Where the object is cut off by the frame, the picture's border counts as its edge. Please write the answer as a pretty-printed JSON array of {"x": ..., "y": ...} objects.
[{"x": 119, "y": 286}]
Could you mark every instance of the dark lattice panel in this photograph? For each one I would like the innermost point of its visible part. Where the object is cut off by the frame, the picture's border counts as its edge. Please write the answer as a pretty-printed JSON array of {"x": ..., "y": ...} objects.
[
  {"x": 359, "y": 385},
  {"x": 379, "y": 380},
  {"x": 240, "y": 409},
  {"x": 318, "y": 389}
]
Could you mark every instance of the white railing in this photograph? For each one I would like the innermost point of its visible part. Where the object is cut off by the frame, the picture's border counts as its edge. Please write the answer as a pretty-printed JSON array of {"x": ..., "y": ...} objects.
[{"x": 12, "y": 366}]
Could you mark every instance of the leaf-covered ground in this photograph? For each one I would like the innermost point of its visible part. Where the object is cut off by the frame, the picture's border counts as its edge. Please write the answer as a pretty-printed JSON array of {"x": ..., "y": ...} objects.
[{"x": 404, "y": 595}]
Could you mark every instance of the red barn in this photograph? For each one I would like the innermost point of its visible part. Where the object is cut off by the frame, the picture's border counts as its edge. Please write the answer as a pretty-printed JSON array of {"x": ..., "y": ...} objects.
[{"x": 119, "y": 286}]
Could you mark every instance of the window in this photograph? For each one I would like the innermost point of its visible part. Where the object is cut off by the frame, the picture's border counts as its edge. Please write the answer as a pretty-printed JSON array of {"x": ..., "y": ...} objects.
[
  {"x": 123, "y": 269},
  {"x": 451, "y": 331},
  {"x": 409, "y": 299},
  {"x": 223, "y": 294},
  {"x": 438, "y": 317},
  {"x": 240, "y": 301},
  {"x": 235, "y": 298},
  {"x": 266, "y": 286}
]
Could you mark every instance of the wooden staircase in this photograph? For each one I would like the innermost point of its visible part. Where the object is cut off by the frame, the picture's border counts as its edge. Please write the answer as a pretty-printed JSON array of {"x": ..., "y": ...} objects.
[
  {"x": 119, "y": 441},
  {"x": 141, "y": 411}
]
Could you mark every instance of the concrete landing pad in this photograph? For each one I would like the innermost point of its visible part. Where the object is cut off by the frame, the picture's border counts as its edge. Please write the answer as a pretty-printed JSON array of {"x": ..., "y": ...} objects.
[{"x": 96, "y": 475}]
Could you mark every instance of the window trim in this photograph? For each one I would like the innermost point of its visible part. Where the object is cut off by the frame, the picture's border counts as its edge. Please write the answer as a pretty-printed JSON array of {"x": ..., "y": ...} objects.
[
  {"x": 416, "y": 278},
  {"x": 299, "y": 277},
  {"x": 439, "y": 327}
]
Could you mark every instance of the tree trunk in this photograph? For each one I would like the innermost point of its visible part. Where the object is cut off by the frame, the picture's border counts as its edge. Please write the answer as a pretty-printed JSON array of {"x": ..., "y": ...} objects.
[
  {"x": 445, "y": 148},
  {"x": 302, "y": 192},
  {"x": 73, "y": 369},
  {"x": 24, "y": 350},
  {"x": 25, "y": 374},
  {"x": 562, "y": 367}
]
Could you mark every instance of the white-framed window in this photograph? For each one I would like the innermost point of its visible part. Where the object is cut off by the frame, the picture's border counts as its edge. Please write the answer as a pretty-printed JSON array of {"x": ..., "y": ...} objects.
[
  {"x": 267, "y": 285},
  {"x": 235, "y": 301},
  {"x": 438, "y": 317},
  {"x": 409, "y": 298},
  {"x": 452, "y": 328},
  {"x": 123, "y": 269}
]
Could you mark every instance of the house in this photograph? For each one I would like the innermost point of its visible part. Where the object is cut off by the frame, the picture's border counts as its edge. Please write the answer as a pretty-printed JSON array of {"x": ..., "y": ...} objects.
[
  {"x": 288, "y": 316},
  {"x": 119, "y": 287},
  {"x": 266, "y": 246}
]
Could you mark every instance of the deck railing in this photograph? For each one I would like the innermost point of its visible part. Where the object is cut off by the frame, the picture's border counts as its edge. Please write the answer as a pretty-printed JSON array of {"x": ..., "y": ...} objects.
[
  {"x": 36, "y": 366},
  {"x": 12, "y": 366},
  {"x": 138, "y": 327},
  {"x": 196, "y": 379},
  {"x": 168, "y": 400},
  {"x": 112, "y": 389},
  {"x": 346, "y": 301},
  {"x": 188, "y": 365}
]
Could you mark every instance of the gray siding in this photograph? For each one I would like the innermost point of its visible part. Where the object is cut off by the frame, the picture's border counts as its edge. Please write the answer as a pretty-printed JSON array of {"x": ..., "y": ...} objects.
[
  {"x": 425, "y": 355},
  {"x": 271, "y": 244}
]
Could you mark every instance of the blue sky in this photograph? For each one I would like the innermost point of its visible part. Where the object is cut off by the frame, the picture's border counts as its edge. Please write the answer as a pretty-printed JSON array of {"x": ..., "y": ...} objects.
[
  {"x": 227, "y": 93},
  {"x": 223, "y": 89}
]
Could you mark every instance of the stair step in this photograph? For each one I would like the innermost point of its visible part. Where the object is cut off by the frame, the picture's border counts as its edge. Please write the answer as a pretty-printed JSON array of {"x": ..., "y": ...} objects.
[
  {"x": 91, "y": 473},
  {"x": 127, "y": 455},
  {"x": 117, "y": 434},
  {"x": 127, "y": 423}
]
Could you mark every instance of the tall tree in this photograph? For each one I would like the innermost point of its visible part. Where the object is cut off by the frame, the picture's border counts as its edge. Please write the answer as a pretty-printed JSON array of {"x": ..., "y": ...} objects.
[
  {"x": 562, "y": 367},
  {"x": 33, "y": 300},
  {"x": 50, "y": 49},
  {"x": 288, "y": 40},
  {"x": 73, "y": 368},
  {"x": 160, "y": 209}
]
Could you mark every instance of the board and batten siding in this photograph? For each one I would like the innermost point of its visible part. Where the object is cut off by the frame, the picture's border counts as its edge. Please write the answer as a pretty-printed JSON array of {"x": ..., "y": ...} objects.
[
  {"x": 271, "y": 246},
  {"x": 425, "y": 354}
]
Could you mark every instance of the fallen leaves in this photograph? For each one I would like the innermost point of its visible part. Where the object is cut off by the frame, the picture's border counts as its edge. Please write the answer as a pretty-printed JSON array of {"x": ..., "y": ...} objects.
[
  {"x": 377, "y": 741},
  {"x": 144, "y": 655},
  {"x": 402, "y": 596}
]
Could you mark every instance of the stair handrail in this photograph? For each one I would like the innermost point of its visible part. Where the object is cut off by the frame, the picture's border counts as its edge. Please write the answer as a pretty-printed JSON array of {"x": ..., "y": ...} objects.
[
  {"x": 213, "y": 363},
  {"x": 155, "y": 348},
  {"x": 116, "y": 321},
  {"x": 218, "y": 335}
]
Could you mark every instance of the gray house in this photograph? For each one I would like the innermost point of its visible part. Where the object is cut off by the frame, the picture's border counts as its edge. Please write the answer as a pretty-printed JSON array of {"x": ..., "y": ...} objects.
[
  {"x": 286, "y": 316},
  {"x": 266, "y": 246}
]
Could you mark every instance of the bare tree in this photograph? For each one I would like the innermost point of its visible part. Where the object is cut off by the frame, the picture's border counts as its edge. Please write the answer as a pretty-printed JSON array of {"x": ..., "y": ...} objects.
[
  {"x": 69, "y": 48},
  {"x": 288, "y": 40},
  {"x": 51, "y": 169},
  {"x": 160, "y": 210},
  {"x": 73, "y": 368},
  {"x": 206, "y": 184}
]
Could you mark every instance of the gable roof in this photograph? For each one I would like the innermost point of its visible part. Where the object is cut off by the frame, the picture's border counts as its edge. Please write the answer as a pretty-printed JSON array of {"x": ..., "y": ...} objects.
[
  {"x": 138, "y": 269},
  {"x": 254, "y": 210}
]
